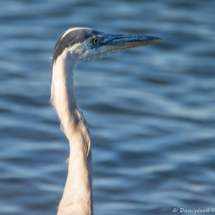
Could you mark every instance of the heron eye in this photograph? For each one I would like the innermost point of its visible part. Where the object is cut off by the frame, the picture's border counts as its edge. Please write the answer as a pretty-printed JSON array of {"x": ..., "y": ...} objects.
[{"x": 95, "y": 40}]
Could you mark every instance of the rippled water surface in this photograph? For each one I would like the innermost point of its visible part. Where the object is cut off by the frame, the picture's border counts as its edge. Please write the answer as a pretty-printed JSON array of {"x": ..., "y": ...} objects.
[{"x": 150, "y": 110}]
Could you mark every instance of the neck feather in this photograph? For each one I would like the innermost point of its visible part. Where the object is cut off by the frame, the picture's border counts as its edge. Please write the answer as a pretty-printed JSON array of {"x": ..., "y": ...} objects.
[{"x": 77, "y": 196}]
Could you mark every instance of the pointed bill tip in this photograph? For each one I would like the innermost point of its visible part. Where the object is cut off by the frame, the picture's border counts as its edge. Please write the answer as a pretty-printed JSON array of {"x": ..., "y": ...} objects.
[
  {"x": 150, "y": 40},
  {"x": 160, "y": 39}
]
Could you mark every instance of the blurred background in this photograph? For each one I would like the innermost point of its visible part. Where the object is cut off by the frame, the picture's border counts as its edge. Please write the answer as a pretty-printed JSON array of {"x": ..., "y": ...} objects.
[{"x": 150, "y": 110}]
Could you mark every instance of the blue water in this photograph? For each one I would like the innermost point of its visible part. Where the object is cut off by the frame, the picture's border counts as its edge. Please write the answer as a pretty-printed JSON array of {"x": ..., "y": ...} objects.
[{"x": 150, "y": 110}]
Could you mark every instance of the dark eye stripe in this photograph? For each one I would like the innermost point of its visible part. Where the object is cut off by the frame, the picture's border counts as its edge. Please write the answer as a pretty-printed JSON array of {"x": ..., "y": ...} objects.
[{"x": 77, "y": 36}]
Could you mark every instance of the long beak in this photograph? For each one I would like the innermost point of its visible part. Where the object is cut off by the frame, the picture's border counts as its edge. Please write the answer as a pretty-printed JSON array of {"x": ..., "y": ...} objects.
[{"x": 121, "y": 42}]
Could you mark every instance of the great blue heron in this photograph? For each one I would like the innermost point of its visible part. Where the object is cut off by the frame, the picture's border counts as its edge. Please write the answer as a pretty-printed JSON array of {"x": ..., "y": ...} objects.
[{"x": 78, "y": 45}]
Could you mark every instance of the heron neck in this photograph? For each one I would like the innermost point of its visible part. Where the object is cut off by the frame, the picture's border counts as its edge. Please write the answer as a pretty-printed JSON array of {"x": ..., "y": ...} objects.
[{"x": 77, "y": 196}]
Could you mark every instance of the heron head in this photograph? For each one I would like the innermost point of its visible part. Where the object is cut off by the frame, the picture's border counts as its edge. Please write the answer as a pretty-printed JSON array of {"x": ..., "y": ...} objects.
[{"x": 86, "y": 44}]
